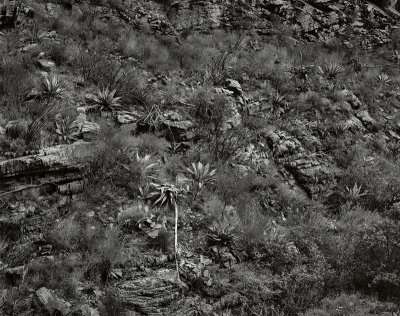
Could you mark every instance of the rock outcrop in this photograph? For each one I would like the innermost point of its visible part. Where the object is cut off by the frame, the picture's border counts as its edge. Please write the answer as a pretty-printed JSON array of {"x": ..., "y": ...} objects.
[
  {"x": 309, "y": 169},
  {"x": 312, "y": 20},
  {"x": 149, "y": 295},
  {"x": 55, "y": 166}
]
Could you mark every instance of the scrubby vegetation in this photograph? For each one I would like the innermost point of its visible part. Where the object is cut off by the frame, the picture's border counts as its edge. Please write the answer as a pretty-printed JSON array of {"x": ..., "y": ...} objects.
[{"x": 260, "y": 171}]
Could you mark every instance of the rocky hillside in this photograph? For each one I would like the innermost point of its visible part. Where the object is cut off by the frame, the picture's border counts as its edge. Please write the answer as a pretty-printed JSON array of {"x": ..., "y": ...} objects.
[{"x": 199, "y": 158}]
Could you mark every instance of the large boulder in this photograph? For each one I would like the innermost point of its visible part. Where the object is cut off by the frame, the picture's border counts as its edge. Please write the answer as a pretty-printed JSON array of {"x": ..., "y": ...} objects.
[{"x": 48, "y": 303}]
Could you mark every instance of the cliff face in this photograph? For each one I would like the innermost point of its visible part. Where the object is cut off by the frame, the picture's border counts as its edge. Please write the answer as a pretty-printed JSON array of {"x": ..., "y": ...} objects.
[{"x": 310, "y": 19}]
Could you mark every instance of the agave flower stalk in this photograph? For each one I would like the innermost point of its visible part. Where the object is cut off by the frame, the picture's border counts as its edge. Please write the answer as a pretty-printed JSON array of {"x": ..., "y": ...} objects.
[{"x": 168, "y": 194}]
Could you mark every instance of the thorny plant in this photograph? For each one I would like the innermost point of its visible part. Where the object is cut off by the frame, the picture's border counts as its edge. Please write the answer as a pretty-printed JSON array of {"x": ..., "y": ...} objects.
[
  {"x": 201, "y": 176},
  {"x": 51, "y": 86},
  {"x": 106, "y": 100}
]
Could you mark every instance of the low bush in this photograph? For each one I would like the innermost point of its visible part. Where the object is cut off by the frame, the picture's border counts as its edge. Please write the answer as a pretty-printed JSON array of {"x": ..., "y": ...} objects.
[
  {"x": 111, "y": 304},
  {"x": 103, "y": 255},
  {"x": 373, "y": 266},
  {"x": 60, "y": 275},
  {"x": 352, "y": 305}
]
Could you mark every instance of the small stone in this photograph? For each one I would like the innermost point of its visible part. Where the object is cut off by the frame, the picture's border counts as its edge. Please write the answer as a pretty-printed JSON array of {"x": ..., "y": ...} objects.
[
  {"x": 46, "y": 64},
  {"x": 29, "y": 47}
]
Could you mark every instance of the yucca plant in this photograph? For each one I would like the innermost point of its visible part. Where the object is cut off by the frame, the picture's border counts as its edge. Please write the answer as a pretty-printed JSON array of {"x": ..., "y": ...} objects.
[
  {"x": 330, "y": 70},
  {"x": 51, "y": 86},
  {"x": 105, "y": 99},
  {"x": 201, "y": 176}
]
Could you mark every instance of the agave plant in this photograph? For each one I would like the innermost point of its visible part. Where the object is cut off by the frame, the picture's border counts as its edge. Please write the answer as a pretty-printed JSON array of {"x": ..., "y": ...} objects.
[
  {"x": 105, "y": 99},
  {"x": 279, "y": 103},
  {"x": 330, "y": 70},
  {"x": 65, "y": 130},
  {"x": 354, "y": 193},
  {"x": 149, "y": 168},
  {"x": 51, "y": 86},
  {"x": 222, "y": 233},
  {"x": 383, "y": 79},
  {"x": 201, "y": 176}
]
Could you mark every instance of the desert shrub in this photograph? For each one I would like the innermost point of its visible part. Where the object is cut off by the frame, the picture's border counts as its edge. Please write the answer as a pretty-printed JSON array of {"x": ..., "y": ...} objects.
[
  {"x": 304, "y": 288},
  {"x": 135, "y": 90},
  {"x": 311, "y": 101},
  {"x": 379, "y": 180},
  {"x": 103, "y": 28},
  {"x": 189, "y": 56},
  {"x": 56, "y": 52},
  {"x": 352, "y": 305},
  {"x": 163, "y": 241},
  {"x": 97, "y": 69},
  {"x": 15, "y": 83},
  {"x": 230, "y": 186},
  {"x": 151, "y": 51},
  {"x": 212, "y": 112},
  {"x": 16, "y": 302},
  {"x": 218, "y": 59},
  {"x": 150, "y": 144},
  {"x": 74, "y": 27},
  {"x": 247, "y": 290},
  {"x": 66, "y": 234},
  {"x": 41, "y": 115},
  {"x": 210, "y": 108},
  {"x": 253, "y": 226},
  {"x": 101, "y": 45},
  {"x": 373, "y": 265},
  {"x": 271, "y": 62},
  {"x": 131, "y": 214},
  {"x": 173, "y": 166},
  {"x": 111, "y": 304},
  {"x": 103, "y": 255},
  {"x": 114, "y": 164},
  {"x": 61, "y": 275}
]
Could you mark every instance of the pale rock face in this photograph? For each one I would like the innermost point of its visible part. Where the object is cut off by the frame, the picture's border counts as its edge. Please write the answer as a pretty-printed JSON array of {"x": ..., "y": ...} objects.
[
  {"x": 186, "y": 14},
  {"x": 313, "y": 20}
]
